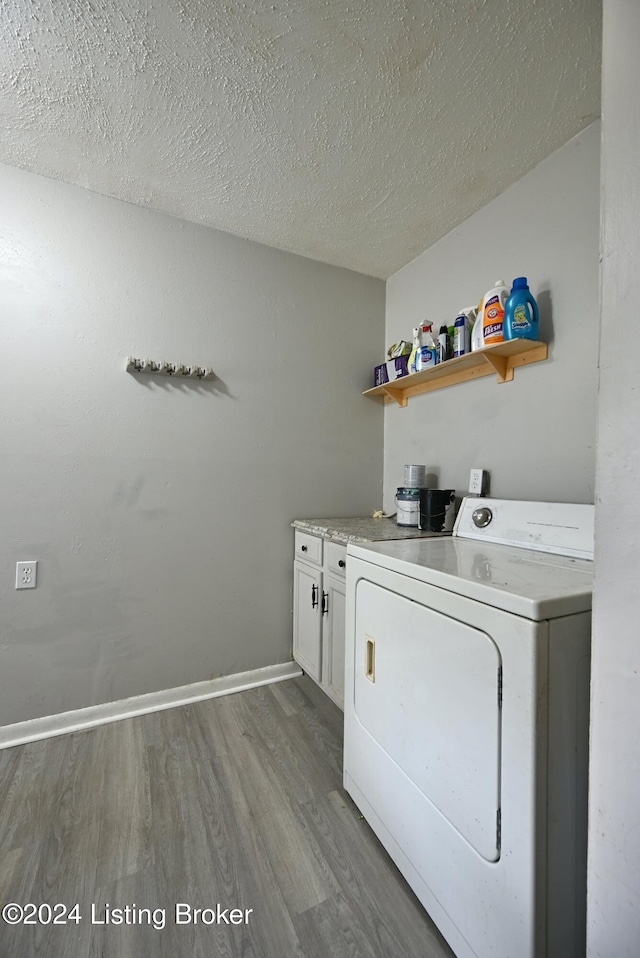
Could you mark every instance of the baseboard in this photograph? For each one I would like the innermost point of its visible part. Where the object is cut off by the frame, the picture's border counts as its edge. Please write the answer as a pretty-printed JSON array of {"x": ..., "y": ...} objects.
[{"x": 49, "y": 725}]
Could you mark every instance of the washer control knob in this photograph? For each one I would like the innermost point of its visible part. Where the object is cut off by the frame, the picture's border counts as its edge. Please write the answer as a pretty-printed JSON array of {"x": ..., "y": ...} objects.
[{"x": 482, "y": 517}]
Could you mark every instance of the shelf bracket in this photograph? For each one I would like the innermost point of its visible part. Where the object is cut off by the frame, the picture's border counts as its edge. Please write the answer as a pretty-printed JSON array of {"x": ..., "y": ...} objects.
[
  {"x": 504, "y": 372},
  {"x": 396, "y": 395}
]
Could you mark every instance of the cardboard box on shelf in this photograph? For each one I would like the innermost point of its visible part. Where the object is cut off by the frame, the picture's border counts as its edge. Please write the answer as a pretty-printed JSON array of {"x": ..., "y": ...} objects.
[{"x": 387, "y": 372}]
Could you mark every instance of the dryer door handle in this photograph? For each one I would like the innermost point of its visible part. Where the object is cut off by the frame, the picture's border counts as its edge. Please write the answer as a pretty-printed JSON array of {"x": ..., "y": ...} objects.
[{"x": 370, "y": 659}]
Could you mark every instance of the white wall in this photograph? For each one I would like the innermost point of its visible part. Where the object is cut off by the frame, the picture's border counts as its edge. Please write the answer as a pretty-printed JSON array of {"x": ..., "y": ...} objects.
[
  {"x": 613, "y": 915},
  {"x": 536, "y": 434},
  {"x": 159, "y": 512}
]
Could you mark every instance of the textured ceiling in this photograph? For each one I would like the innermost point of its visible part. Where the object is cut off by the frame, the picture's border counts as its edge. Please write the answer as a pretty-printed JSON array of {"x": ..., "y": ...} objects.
[{"x": 357, "y": 132}]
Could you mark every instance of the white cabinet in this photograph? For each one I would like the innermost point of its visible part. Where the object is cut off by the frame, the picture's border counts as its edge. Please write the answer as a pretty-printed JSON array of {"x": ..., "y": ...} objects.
[
  {"x": 333, "y": 626},
  {"x": 307, "y": 643},
  {"x": 319, "y": 611}
]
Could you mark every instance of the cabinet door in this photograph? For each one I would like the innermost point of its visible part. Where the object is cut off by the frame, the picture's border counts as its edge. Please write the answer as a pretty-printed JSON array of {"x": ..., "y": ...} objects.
[
  {"x": 333, "y": 637},
  {"x": 307, "y": 622}
]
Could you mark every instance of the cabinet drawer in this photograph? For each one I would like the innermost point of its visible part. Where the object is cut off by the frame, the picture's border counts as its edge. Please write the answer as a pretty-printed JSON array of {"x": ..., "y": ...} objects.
[
  {"x": 308, "y": 548},
  {"x": 336, "y": 558}
]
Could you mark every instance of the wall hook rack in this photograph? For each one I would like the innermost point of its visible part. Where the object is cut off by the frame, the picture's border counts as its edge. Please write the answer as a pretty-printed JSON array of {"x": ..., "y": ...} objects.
[{"x": 177, "y": 370}]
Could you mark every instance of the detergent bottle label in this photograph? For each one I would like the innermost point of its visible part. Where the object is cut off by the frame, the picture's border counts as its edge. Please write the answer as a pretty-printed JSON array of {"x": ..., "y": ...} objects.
[
  {"x": 426, "y": 357},
  {"x": 493, "y": 321},
  {"x": 521, "y": 317}
]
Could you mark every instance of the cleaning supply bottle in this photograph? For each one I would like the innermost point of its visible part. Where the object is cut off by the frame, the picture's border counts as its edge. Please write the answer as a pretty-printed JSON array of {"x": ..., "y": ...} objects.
[
  {"x": 476, "y": 333},
  {"x": 462, "y": 331},
  {"x": 443, "y": 344},
  {"x": 520, "y": 312},
  {"x": 427, "y": 335},
  {"x": 417, "y": 342},
  {"x": 490, "y": 316},
  {"x": 427, "y": 355}
]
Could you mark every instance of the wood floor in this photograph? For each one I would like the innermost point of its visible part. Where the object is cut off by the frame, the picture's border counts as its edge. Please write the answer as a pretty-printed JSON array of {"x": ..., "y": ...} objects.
[{"x": 236, "y": 801}]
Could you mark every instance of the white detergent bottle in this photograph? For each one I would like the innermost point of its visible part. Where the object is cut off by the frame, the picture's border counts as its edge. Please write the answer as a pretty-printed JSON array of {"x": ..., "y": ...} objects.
[
  {"x": 417, "y": 342},
  {"x": 476, "y": 332},
  {"x": 488, "y": 327}
]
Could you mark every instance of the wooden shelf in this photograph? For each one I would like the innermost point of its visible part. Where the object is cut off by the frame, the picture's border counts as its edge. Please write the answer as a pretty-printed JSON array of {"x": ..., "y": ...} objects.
[{"x": 500, "y": 359}]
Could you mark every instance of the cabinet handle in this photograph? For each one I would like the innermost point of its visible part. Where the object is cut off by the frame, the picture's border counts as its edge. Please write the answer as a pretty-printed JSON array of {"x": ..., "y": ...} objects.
[
  {"x": 314, "y": 596},
  {"x": 303, "y": 548},
  {"x": 342, "y": 563},
  {"x": 325, "y": 603}
]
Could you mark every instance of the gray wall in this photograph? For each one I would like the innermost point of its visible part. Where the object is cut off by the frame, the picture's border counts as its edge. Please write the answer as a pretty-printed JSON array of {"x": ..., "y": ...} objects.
[
  {"x": 160, "y": 512},
  {"x": 613, "y": 912},
  {"x": 536, "y": 434}
]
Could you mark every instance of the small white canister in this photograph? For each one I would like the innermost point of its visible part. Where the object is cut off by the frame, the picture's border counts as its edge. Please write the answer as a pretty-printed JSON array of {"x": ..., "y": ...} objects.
[
  {"x": 415, "y": 477},
  {"x": 408, "y": 506}
]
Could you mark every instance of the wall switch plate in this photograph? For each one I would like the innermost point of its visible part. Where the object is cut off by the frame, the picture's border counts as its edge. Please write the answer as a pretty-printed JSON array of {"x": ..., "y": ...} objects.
[
  {"x": 26, "y": 575},
  {"x": 478, "y": 481}
]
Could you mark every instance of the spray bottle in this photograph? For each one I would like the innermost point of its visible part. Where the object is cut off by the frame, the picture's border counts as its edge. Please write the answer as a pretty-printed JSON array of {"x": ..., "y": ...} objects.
[
  {"x": 411, "y": 365},
  {"x": 427, "y": 354}
]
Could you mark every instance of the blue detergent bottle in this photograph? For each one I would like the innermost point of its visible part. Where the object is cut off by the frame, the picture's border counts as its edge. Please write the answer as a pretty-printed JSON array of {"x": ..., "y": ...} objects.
[{"x": 520, "y": 312}]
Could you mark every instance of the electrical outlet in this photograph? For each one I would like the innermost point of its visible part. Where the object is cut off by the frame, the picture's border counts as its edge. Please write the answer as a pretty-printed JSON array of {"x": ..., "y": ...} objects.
[
  {"x": 478, "y": 482},
  {"x": 26, "y": 575}
]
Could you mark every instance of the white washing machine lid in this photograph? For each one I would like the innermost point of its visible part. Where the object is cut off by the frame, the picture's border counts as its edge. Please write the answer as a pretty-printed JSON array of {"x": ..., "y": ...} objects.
[{"x": 534, "y": 585}]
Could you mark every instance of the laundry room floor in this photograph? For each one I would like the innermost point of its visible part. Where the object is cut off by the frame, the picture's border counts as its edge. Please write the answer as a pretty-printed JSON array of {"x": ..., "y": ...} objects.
[{"x": 232, "y": 803}]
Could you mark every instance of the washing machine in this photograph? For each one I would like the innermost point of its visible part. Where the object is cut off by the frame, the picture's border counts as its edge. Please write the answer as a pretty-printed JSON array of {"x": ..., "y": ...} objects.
[{"x": 467, "y": 720}]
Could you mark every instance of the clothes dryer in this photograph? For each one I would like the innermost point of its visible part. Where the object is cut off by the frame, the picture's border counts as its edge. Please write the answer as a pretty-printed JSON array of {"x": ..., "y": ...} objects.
[{"x": 466, "y": 721}]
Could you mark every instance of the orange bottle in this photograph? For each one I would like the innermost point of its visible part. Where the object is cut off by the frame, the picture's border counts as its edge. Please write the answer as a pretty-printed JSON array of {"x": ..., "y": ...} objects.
[{"x": 491, "y": 313}]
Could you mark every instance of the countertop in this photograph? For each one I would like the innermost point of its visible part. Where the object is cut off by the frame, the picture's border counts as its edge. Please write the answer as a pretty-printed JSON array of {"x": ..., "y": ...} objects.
[{"x": 365, "y": 529}]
